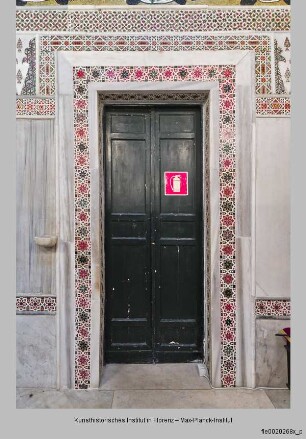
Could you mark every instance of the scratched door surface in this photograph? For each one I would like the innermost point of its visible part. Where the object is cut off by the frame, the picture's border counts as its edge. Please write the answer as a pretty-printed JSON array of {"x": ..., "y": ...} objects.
[{"x": 153, "y": 247}]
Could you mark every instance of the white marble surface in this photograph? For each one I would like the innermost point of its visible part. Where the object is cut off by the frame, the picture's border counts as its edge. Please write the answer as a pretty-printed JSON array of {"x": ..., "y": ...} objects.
[
  {"x": 279, "y": 398},
  {"x": 245, "y": 141},
  {"x": 245, "y": 166},
  {"x": 273, "y": 208},
  {"x": 192, "y": 399},
  {"x": 140, "y": 399},
  {"x": 65, "y": 247},
  {"x": 36, "y": 364},
  {"x": 35, "y": 206},
  {"x": 245, "y": 315},
  {"x": 271, "y": 356},
  {"x": 67, "y": 399},
  {"x": 153, "y": 376}
]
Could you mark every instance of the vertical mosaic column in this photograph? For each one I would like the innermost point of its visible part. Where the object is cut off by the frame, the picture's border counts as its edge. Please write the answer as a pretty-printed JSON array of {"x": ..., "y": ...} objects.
[
  {"x": 82, "y": 234},
  {"x": 227, "y": 228}
]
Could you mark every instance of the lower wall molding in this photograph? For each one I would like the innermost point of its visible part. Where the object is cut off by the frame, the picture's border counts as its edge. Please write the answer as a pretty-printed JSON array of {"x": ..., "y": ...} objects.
[
  {"x": 273, "y": 308},
  {"x": 35, "y": 305}
]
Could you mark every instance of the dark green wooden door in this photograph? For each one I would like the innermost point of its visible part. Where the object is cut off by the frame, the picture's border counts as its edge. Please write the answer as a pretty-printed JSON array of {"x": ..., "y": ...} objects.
[{"x": 153, "y": 249}]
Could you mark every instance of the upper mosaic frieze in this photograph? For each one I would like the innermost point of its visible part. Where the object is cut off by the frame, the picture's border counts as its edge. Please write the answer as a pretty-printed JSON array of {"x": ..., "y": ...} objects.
[
  {"x": 152, "y": 2},
  {"x": 153, "y": 20}
]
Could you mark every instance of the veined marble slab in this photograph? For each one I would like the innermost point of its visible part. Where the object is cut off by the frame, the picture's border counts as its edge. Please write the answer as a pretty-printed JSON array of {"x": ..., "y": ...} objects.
[{"x": 36, "y": 363}]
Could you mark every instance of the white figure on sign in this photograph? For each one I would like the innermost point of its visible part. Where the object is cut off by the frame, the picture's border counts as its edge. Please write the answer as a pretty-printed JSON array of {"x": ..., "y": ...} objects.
[{"x": 175, "y": 183}]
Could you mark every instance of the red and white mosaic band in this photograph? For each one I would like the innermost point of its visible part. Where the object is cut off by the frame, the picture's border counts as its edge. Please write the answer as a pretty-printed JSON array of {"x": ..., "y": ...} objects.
[{"x": 36, "y": 304}]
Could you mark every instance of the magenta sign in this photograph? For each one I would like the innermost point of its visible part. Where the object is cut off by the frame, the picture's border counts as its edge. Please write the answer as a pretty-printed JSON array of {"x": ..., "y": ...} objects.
[{"x": 176, "y": 183}]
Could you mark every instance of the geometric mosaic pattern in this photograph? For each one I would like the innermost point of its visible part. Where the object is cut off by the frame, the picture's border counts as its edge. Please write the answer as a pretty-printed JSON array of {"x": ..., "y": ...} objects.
[
  {"x": 35, "y": 107},
  {"x": 36, "y": 305},
  {"x": 49, "y": 44},
  {"x": 153, "y": 20},
  {"x": 272, "y": 308},
  {"x": 225, "y": 75},
  {"x": 273, "y": 106},
  {"x": 265, "y": 106},
  {"x": 156, "y": 97}
]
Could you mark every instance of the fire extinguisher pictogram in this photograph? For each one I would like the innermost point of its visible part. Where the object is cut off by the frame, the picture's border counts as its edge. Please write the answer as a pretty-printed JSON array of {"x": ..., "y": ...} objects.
[{"x": 175, "y": 183}]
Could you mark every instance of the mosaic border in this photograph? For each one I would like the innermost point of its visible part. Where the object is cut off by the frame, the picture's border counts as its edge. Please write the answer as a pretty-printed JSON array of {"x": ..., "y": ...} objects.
[
  {"x": 36, "y": 305},
  {"x": 153, "y": 20},
  {"x": 272, "y": 308},
  {"x": 35, "y": 107},
  {"x": 265, "y": 106},
  {"x": 225, "y": 75},
  {"x": 261, "y": 44},
  {"x": 273, "y": 106}
]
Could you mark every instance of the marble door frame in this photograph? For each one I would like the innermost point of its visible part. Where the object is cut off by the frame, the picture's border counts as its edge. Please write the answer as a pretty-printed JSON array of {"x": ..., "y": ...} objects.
[{"x": 244, "y": 211}]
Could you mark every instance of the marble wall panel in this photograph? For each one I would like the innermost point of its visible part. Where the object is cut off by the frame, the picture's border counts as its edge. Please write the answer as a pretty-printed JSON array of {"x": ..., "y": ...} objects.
[
  {"x": 65, "y": 249},
  {"x": 273, "y": 208},
  {"x": 271, "y": 356},
  {"x": 36, "y": 364},
  {"x": 35, "y": 206}
]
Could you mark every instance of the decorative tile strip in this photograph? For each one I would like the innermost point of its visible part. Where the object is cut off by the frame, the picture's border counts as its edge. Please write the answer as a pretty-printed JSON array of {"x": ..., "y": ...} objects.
[
  {"x": 27, "y": 107},
  {"x": 265, "y": 106},
  {"x": 155, "y": 97},
  {"x": 154, "y": 20},
  {"x": 225, "y": 75},
  {"x": 50, "y": 20},
  {"x": 25, "y": 65},
  {"x": 272, "y": 308},
  {"x": 259, "y": 43},
  {"x": 36, "y": 305},
  {"x": 273, "y": 106}
]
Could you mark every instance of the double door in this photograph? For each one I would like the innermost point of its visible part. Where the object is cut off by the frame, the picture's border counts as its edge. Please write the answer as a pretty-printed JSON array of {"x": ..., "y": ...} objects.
[{"x": 153, "y": 245}]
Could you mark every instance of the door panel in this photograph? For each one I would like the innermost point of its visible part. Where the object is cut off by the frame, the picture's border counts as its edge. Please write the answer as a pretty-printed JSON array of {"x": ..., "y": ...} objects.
[
  {"x": 153, "y": 241},
  {"x": 128, "y": 189},
  {"x": 178, "y": 287},
  {"x": 128, "y": 330}
]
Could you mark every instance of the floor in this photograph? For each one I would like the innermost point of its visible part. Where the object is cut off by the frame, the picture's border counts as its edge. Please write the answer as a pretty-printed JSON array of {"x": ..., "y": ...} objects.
[{"x": 156, "y": 386}]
